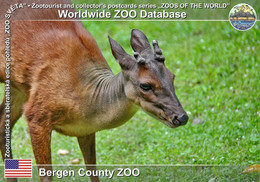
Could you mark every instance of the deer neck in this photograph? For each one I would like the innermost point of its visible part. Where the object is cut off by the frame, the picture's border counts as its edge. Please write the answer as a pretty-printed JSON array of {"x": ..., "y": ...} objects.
[{"x": 106, "y": 99}]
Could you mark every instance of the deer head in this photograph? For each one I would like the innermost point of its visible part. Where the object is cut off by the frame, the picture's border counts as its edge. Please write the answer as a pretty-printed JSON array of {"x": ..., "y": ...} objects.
[{"x": 147, "y": 81}]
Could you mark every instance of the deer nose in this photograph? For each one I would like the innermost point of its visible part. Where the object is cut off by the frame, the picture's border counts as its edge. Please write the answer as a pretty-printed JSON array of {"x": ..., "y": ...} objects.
[{"x": 183, "y": 119}]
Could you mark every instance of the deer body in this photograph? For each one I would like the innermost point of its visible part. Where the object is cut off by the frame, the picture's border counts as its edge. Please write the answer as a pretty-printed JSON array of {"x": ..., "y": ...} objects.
[
  {"x": 72, "y": 82},
  {"x": 104, "y": 106},
  {"x": 61, "y": 81}
]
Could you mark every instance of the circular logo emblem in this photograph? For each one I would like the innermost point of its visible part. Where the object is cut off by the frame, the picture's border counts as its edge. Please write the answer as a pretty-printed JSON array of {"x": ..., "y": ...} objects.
[{"x": 242, "y": 17}]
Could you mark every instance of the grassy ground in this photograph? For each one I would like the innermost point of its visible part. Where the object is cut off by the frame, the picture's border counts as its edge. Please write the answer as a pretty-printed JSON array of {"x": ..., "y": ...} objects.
[{"x": 217, "y": 81}]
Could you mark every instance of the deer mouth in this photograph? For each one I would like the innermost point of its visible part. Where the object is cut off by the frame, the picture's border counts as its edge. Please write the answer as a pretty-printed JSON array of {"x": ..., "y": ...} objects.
[
  {"x": 161, "y": 116},
  {"x": 167, "y": 121}
]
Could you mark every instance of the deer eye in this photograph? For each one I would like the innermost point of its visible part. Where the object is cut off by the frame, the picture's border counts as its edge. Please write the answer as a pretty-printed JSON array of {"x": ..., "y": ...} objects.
[{"x": 145, "y": 86}]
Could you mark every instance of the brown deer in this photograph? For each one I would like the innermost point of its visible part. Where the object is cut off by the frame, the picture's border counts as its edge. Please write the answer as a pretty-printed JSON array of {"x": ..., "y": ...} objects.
[{"x": 61, "y": 81}]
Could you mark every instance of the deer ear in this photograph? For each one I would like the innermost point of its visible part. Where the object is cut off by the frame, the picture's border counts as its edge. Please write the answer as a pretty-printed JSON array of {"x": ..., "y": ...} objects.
[
  {"x": 120, "y": 55},
  {"x": 139, "y": 41},
  {"x": 117, "y": 51}
]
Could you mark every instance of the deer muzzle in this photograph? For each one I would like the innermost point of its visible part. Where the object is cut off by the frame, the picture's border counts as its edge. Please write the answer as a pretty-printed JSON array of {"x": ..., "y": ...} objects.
[{"x": 180, "y": 120}]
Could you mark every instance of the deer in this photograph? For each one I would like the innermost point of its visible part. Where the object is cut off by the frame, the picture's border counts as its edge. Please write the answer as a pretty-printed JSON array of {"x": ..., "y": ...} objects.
[{"x": 61, "y": 82}]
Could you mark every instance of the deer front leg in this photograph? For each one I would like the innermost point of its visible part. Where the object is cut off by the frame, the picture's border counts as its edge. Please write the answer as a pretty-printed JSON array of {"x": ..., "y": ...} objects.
[
  {"x": 41, "y": 143},
  {"x": 87, "y": 146}
]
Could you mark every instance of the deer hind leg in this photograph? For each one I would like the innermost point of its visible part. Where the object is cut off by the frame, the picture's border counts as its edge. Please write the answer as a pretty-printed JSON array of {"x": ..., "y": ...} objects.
[
  {"x": 17, "y": 101},
  {"x": 40, "y": 129},
  {"x": 87, "y": 146}
]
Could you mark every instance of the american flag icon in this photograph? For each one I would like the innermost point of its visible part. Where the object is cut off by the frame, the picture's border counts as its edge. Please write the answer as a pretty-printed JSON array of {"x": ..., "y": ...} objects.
[{"x": 18, "y": 168}]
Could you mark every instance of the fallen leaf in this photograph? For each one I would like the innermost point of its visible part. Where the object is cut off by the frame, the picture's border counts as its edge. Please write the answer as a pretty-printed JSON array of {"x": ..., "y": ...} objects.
[
  {"x": 197, "y": 121},
  {"x": 212, "y": 179},
  {"x": 63, "y": 152},
  {"x": 252, "y": 168},
  {"x": 75, "y": 161}
]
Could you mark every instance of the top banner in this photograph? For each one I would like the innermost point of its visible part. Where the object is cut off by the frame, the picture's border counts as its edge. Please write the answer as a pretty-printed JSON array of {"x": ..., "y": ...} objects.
[{"x": 136, "y": 10}]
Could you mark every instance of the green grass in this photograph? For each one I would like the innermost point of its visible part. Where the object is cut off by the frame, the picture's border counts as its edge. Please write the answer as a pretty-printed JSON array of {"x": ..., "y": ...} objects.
[{"x": 217, "y": 81}]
